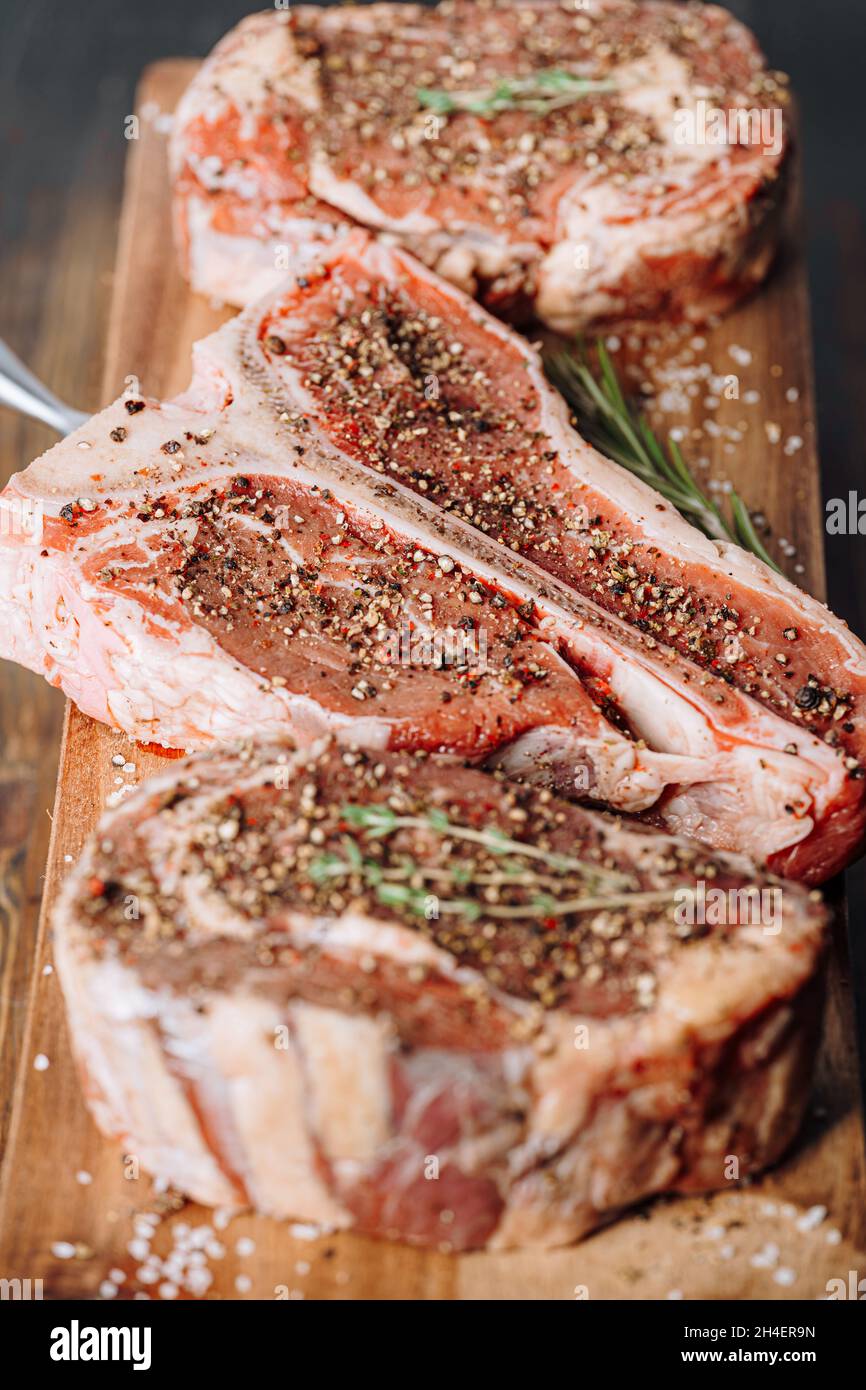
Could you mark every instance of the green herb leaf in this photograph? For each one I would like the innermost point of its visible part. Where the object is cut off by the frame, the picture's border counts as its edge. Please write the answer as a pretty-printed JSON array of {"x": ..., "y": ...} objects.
[
  {"x": 376, "y": 820},
  {"x": 540, "y": 92},
  {"x": 327, "y": 866}
]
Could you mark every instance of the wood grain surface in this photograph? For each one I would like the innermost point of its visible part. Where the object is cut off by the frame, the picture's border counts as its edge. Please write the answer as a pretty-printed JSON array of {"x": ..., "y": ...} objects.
[{"x": 63, "y": 1183}]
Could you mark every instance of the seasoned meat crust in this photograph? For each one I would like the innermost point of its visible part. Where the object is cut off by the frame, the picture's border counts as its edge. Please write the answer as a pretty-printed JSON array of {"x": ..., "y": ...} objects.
[
  {"x": 651, "y": 191},
  {"x": 387, "y": 991},
  {"x": 370, "y": 516}
]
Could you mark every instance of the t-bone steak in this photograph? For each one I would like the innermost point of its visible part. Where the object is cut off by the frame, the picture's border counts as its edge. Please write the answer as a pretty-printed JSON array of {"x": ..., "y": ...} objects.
[
  {"x": 655, "y": 192},
  {"x": 369, "y": 515},
  {"x": 376, "y": 990}
]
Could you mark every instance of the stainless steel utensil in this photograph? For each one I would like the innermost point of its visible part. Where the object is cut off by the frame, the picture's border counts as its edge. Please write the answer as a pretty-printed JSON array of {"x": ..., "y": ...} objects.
[{"x": 22, "y": 391}]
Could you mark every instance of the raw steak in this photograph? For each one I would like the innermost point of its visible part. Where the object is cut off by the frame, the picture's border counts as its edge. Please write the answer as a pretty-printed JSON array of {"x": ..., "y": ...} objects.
[
  {"x": 368, "y": 454},
  {"x": 374, "y": 990},
  {"x": 607, "y": 207}
]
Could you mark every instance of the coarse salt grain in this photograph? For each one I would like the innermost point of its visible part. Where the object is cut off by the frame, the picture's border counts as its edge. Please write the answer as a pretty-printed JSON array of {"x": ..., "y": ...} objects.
[
  {"x": 305, "y": 1232},
  {"x": 765, "y": 1258},
  {"x": 63, "y": 1250},
  {"x": 811, "y": 1218},
  {"x": 41, "y": 1062}
]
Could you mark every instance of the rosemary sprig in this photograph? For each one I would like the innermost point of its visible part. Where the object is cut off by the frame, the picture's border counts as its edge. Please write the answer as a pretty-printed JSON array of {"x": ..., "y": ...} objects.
[
  {"x": 543, "y": 91},
  {"x": 607, "y": 420}
]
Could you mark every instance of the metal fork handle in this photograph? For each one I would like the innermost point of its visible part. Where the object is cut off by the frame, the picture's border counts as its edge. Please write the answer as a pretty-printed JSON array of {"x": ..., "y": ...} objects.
[{"x": 22, "y": 391}]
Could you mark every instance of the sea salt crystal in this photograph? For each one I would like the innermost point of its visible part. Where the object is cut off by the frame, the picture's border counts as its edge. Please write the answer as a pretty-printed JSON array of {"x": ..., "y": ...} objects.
[
  {"x": 41, "y": 1062},
  {"x": 765, "y": 1258},
  {"x": 199, "y": 1281},
  {"x": 785, "y": 1276},
  {"x": 811, "y": 1218},
  {"x": 305, "y": 1232},
  {"x": 63, "y": 1250}
]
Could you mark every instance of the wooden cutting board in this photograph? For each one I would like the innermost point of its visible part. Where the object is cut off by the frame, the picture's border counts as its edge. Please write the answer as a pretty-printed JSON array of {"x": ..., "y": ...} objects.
[{"x": 69, "y": 1206}]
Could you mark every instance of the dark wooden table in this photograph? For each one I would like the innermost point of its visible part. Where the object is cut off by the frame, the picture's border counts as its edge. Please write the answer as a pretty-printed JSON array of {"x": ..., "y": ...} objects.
[{"x": 67, "y": 78}]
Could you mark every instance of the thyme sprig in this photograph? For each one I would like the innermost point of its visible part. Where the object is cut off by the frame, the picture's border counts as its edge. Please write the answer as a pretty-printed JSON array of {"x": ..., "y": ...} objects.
[
  {"x": 607, "y": 420},
  {"x": 378, "y": 820},
  {"x": 543, "y": 91},
  {"x": 408, "y": 884}
]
